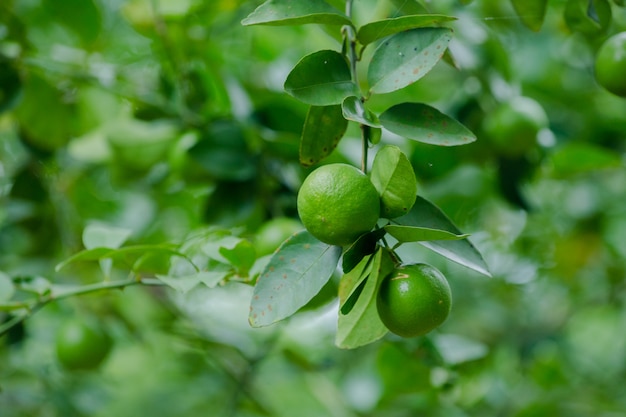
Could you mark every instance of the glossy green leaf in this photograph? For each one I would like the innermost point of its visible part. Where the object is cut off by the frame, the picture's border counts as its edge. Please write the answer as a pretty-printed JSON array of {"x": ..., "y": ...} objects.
[
  {"x": 7, "y": 289},
  {"x": 362, "y": 324},
  {"x": 531, "y": 12},
  {"x": 323, "y": 129},
  {"x": 352, "y": 284},
  {"x": 393, "y": 176},
  {"x": 420, "y": 234},
  {"x": 365, "y": 245},
  {"x": 295, "y": 12},
  {"x": 373, "y": 31},
  {"x": 425, "y": 214},
  {"x": 294, "y": 275},
  {"x": 423, "y": 123},
  {"x": 322, "y": 78},
  {"x": 354, "y": 109},
  {"x": 405, "y": 57},
  {"x": 240, "y": 255},
  {"x": 103, "y": 236}
]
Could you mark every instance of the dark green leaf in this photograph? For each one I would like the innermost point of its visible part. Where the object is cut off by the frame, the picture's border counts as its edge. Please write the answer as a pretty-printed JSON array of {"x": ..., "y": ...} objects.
[
  {"x": 295, "y": 12},
  {"x": 531, "y": 12},
  {"x": 362, "y": 324},
  {"x": 406, "y": 57},
  {"x": 323, "y": 129},
  {"x": 425, "y": 214},
  {"x": 294, "y": 275},
  {"x": 322, "y": 78},
  {"x": 354, "y": 109},
  {"x": 420, "y": 234},
  {"x": 365, "y": 245},
  {"x": 373, "y": 31},
  {"x": 423, "y": 123}
]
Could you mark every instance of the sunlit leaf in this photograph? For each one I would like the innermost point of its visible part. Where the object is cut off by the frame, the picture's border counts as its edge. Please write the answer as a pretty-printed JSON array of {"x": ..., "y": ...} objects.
[
  {"x": 394, "y": 178},
  {"x": 362, "y": 324},
  {"x": 354, "y": 109},
  {"x": 323, "y": 129},
  {"x": 352, "y": 283},
  {"x": 296, "y": 272},
  {"x": 365, "y": 245},
  {"x": 7, "y": 289},
  {"x": 322, "y": 78},
  {"x": 423, "y": 123},
  {"x": 373, "y": 31},
  {"x": 425, "y": 214},
  {"x": 405, "y": 57},
  {"x": 531, "y": 12},
  {"x": 104, "y": 236},
  {"x": 295, "y": 12}
]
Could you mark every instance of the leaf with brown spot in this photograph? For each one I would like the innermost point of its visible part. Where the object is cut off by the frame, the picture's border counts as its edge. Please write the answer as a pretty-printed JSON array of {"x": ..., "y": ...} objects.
[{"x": 286, "y": 287}]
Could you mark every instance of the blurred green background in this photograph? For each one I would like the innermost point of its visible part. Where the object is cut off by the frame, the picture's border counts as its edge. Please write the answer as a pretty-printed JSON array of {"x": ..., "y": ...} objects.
[{"x": 164, "y": 117}]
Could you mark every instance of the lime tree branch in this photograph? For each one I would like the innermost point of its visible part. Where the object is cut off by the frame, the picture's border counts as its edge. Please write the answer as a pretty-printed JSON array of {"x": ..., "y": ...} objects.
[{"x": 27, "y": 308}]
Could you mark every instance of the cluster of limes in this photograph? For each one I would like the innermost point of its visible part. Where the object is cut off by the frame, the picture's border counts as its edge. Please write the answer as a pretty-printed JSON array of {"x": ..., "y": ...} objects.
[{"x": 338, "y": 203}]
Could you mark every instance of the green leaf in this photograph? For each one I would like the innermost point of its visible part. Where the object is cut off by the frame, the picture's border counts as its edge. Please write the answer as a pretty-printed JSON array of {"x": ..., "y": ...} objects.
[
  {"x": 393, "y": 176},
  {"x": 423, "y": 123},
  {"x": 323, "y": 129},
  {"x": 294, "y": 275},
  {"x": 127, "y": 254},
  {"x": 425, "y": 214},
  {"x": 362, "y": 324},
  {"x": 353, "y": 109},
  {"x": 322, "y": 78},
  {"x": 241, "y": 255},
  {"x": 373, "y": 31},
  {"x": 7, "y": 289},
  {"x": 420, "y": 234},
  {"x": 352, "y": 284},
  {"x": 406, "y": 57},
  {"x": 365, "y": 245},
  {"x": 103, "y": 236},
  {"x": 576, "y": 158},
  {"x": 531, "y": 12},
  {"x": 295, "y": 12},
  {"x": 182, "y": 284}
]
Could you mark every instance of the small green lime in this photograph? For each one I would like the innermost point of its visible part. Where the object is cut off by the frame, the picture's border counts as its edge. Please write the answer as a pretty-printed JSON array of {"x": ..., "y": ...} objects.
[
  {"x": 413, "y": 300},
  {"x": 514, "y": 125},
  {"x": 82, "y": 345},
  {"x": 274, "y": 232},
  {"x": 337, "y": 203},
  {"x": 611, "y": 64}
]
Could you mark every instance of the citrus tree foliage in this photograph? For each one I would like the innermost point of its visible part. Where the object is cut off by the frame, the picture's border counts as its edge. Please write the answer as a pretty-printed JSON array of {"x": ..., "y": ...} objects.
[{"x": 145, "y": 144}]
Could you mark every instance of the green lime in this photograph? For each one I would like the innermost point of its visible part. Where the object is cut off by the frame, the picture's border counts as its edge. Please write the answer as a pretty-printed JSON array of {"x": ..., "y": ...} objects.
[
  {"x": 611, "y": 64},
  {"x": 337, "y": 203},
  {"x": 514, "y": 125},
  {"x": 413, "y": 300},
  {"x": 82, "y": 345},
  {"x": 274, "y": 232}
]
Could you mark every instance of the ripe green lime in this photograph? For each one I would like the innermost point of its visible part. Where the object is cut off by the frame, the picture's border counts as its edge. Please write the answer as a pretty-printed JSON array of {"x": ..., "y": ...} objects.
[
  {"x": 337, "y": 203},
  {"x": 82, "y": 345},
  {"x": 413, "y": 300},
  {"x": 611, "y": 64},
  {"x": 274, "y": 232},
  {"x": 513, "y": 126}
]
